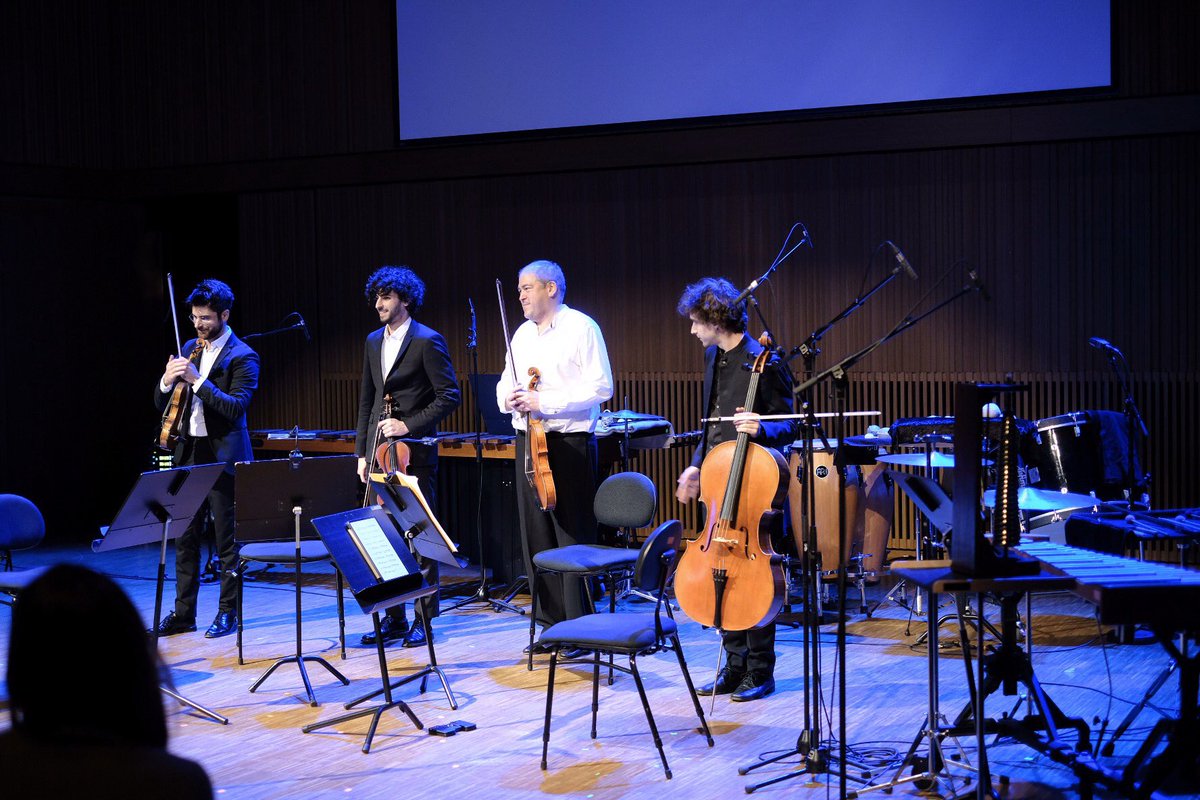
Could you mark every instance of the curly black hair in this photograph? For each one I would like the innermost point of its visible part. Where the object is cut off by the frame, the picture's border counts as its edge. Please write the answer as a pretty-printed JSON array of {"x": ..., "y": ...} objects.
[
  {"x": 212, "y": 293},
  {"x": 401, "y": 280},
  {"x": 711, "y": 301}
]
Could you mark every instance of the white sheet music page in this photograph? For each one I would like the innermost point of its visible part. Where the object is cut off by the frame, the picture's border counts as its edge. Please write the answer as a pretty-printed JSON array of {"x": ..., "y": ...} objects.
[{"x": 376, "y": 548}]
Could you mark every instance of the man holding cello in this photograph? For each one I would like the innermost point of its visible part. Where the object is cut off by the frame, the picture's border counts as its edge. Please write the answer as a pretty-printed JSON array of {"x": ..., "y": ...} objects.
[
  {"x": 221, "y": 372},
  {"x": 409, "y": 363},
  {"x": 720, "y": 325},
  {"x": 573, "y": 378}
]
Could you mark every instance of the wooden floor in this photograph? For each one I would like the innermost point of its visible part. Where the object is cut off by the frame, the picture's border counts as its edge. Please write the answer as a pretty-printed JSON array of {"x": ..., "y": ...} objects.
[{"x": 263, "y": 754}]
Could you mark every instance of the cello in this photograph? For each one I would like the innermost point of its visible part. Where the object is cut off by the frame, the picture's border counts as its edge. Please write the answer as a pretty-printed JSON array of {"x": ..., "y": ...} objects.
[
  {"x": 537, "y": 453},
  {"x": 729, "y": 577}
]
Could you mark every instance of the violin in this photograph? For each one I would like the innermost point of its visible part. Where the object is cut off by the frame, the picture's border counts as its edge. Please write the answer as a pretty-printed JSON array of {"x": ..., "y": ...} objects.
[
  {"x": 537, "y": 454},
  {"x": 391, "y": 456},
  {"x": 729, "y": 577},
  {"x": 175, "y": 415}
]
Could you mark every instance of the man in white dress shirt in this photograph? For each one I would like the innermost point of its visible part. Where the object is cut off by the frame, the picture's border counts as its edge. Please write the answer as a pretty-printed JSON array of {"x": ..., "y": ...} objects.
[{"x": 567, "y": 348}]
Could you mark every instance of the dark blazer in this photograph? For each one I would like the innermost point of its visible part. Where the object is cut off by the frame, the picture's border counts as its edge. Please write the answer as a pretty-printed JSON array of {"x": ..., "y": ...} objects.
[
  {"x": 421, "y": 382},
  {"x": 226, "y": 395},
  {"x": 774, "y": 396}
]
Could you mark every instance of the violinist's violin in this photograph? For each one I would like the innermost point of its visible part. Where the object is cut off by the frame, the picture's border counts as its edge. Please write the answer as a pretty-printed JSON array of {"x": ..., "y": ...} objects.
[
  {"x": 174, "y": 418},
  {"x": 391, "y": 456},
  {"x": 729, "y": 577},
  {"x": 537, "y": 454}
]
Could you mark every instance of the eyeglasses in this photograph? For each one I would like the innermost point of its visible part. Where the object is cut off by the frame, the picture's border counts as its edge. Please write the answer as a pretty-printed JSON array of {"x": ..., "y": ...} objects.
[{"x": 205, "y": 318}]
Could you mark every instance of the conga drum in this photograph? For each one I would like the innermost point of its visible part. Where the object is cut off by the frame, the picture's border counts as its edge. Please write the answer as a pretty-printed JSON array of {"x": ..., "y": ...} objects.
[
  {"x": 824, "y": 476},
  {"x": 878, "y": 508}
]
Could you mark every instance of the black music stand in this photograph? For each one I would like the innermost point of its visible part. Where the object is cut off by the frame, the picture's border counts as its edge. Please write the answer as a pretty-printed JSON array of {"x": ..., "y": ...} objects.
[
  {"x": 271, "y": 495},
  {"x": 370, "y": 550},
  {"x": 157, "y": 501}
]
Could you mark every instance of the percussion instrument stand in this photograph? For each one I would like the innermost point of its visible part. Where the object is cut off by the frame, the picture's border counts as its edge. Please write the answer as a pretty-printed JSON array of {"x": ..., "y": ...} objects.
[{"x": 481, "y": 594}]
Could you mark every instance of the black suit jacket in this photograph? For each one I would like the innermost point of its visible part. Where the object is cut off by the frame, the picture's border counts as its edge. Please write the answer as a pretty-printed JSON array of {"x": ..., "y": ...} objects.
[
  {"x": 226, "y": 395},
  {"x": 774, "y": 396},
  {"x": 421, "y": 382}
]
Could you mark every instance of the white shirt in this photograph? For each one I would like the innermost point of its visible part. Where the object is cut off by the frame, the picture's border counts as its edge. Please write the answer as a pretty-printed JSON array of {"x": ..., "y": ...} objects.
[
  {"x": 391, "y": 346},
  {"x": 573, "y": 361},
  {"x": 208, "y": 357}
]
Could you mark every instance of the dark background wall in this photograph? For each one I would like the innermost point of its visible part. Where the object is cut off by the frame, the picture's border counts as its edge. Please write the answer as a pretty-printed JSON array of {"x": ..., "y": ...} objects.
[{"x": 256, "y": 142}]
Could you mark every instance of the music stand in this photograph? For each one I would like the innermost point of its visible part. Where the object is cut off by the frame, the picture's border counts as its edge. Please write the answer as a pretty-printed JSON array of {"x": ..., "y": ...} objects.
[
  {"x": 271, "y": 495},
  {"x": 371, "y": 552},
  {"x": 155, "y": 502}
]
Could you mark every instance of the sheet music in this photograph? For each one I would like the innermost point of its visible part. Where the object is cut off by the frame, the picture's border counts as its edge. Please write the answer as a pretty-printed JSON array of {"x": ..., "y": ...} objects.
[{"x": 376, "y": 550}]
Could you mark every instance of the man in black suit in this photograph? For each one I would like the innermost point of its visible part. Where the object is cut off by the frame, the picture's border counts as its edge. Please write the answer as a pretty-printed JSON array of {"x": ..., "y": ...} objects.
[
  {"x": 223, "y": 374},
  {"x": 410, "y": 362},
  {"x": 720, "y": 325}
]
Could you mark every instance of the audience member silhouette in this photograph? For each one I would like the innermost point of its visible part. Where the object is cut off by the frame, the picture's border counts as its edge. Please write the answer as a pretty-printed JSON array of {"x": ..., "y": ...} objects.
[{"x": 83, "y": 686}]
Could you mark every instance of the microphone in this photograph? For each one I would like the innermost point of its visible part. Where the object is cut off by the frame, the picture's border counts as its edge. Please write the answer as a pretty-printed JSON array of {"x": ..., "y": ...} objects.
[
  {"x": 976, "y": 284},
  {"x": 754, "y": 284},
  {"x": 472, "y": 340},
  {"x": 901, "y": 261},
  {"x": 304, "y": 327},
  {"x": 1103, "y": 344}
]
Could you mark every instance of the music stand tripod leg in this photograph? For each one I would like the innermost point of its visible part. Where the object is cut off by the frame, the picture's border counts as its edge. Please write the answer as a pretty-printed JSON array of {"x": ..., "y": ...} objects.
[
  {"x": 299, "y": 658},
  {"x": 375, "y": 712},
  {"x": 158, "y": 596}
]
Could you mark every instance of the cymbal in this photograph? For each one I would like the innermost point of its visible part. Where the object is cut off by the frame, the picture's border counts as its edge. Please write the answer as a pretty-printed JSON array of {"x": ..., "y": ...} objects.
[
  {"x": 937, "y": 460},
  {"x": 1032, "y": 499}
]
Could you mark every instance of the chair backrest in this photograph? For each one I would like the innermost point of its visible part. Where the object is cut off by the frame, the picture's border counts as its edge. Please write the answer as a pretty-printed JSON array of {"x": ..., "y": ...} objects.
[
  {"x": 626, "y": 500},
  {"x": 651, "y": 571},
  {"x": 21, "y": 524}
]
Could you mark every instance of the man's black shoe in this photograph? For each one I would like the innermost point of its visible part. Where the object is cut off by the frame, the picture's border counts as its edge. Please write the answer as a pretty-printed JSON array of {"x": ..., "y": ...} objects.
[
  {"x": 755, "y": 686},
  {"x": 223, "y": 624},
  {"x": 172, "y": 624},
  {"x": 728, "y": 681},
  {"x": 392, "y": 630},
  {"x": 416, "y": 636},
  {"x": 537, "y": 648},
  {"x": 575, "y": 654}
]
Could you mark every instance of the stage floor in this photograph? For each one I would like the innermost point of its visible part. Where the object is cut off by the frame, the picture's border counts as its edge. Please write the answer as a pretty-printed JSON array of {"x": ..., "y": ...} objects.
[{"x": 263, "y": 754}]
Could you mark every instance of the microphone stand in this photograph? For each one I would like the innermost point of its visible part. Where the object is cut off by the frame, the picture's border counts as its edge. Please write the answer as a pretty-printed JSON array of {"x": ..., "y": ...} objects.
[
  {"x": 1138, "y": 433},
  {"x": 295, "y": 326},
  {"x": 481, "y": 594},
  {"x": 808, "y": 745}
]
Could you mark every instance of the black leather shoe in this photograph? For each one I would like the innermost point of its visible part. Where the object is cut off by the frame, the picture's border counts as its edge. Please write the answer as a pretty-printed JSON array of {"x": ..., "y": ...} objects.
[
  {"x": 416, "y": 636},
  {"x": 172, "y": 624},
  {"x": 391, "y": 628},
  {"x": 537, "y": 648},
  {"x": 728, "y": 681},
  {"x": 575, "y": 654},
  {"x": 223, "y": 624},
  {"x": 755, "y": 686}
]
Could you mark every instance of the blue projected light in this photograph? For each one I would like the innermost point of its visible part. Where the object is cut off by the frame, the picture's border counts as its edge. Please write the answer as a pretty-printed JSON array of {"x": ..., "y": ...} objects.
[{"x": 475, "y": 66}]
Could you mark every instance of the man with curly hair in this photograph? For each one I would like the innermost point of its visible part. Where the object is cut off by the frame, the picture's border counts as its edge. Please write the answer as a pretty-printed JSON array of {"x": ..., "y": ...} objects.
[
  {"x": 411, "y": 362},
  {"x": 720, "y": 325},
  {"x": 223, "y": 374}
]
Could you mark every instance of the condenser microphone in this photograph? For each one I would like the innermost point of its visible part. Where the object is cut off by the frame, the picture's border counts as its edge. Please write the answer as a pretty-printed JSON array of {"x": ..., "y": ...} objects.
[
  {"x": 901, "y": 261},
  {"x": 976, "y": 284}
]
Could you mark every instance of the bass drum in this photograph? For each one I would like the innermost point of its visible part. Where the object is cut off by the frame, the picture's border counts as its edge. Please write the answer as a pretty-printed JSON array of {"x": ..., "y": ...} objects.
[{"x": 824, "y": 476}]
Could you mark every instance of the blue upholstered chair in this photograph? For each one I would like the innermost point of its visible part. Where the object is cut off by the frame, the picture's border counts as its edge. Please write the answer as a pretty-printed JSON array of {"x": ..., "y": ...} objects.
[{"x": 631, "y": 634}]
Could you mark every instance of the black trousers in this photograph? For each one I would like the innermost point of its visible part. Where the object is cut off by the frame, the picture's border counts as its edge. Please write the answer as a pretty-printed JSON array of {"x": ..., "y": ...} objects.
[
  {"x": 426, "y": 607},
  {"x": 573, "y": 462},
  {"x": 187, "y": 547},
  {"x": 751, "y": 650}
]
